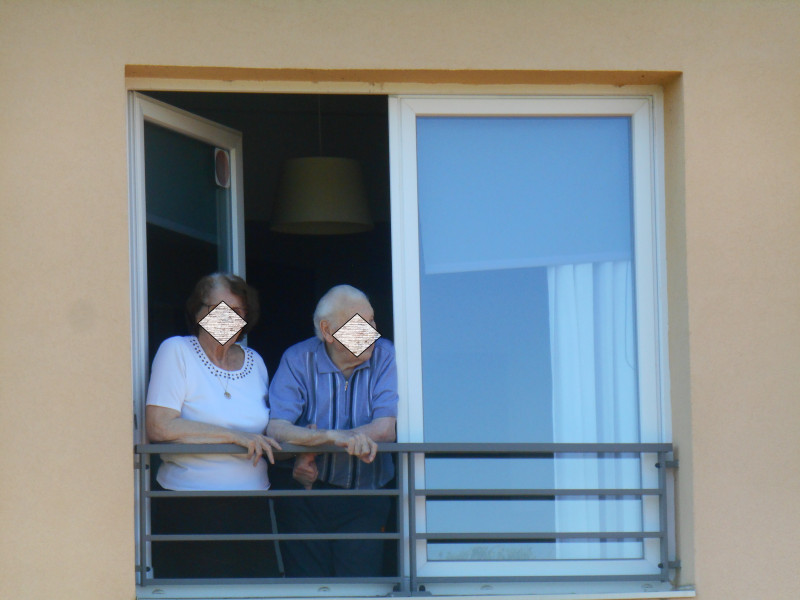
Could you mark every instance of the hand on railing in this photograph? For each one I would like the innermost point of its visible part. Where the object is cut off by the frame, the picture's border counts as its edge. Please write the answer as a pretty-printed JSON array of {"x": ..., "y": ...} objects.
[
  {"x": 305, "y": 470},
  {"x": 356, "y": 443},
  {"x": 257, "y": 445},
  {"x": 305, "y": 467}
]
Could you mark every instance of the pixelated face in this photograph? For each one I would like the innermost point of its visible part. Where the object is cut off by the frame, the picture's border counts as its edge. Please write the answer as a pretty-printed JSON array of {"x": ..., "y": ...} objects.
[
  {"x": 357, "y": 331},
  {"x": 357, "y": 335},
  {"x": 223, "y": 315}
]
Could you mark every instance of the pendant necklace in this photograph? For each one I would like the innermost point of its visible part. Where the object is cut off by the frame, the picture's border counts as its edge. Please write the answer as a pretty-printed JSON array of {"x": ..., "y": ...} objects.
[{"x": 225, "y": 391}]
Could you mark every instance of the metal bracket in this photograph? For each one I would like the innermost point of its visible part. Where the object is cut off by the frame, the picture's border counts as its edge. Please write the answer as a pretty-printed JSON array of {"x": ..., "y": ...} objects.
[
  {"x": 672, "y": 564},
  {"x": 669, "y": 464},
  {"x": 399, "y": 592}
]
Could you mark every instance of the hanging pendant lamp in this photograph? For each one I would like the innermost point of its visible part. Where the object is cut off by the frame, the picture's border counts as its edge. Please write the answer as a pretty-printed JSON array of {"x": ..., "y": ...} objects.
[{"x": 321, "y": 195}]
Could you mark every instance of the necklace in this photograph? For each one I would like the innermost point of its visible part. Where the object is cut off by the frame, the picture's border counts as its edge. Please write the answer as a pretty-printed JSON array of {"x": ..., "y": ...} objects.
[
  {"x": 225, "y": 391},
  {"x": 205, "y": 358}
]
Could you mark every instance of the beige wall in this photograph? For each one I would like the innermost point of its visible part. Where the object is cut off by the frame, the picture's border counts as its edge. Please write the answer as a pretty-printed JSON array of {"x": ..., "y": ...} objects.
[{"x": 733, "y": 222}]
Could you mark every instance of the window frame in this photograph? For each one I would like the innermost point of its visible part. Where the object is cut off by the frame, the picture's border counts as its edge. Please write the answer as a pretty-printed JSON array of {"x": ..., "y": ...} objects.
[
  {"x": 143, "y": 109},
  {"x": 647, "y": 155},
  {"x": 405, "y": 277}
]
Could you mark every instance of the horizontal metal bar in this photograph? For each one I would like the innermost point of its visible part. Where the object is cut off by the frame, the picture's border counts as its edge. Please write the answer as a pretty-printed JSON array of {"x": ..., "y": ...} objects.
[
  {"x": 396, "y": 580},
  {"x": 469, "y": 494},
  {"x": 481, "y": 455},
  {"x": 500, "y": 450},
  {"x": 535, "y": 578},
  {"x": 492, "y": 448},
  {"x": 671, "y": 564},
  {"x": 231, "y": 449},
  {"x": 271, "y": 580},
  {"x": 269, "y": 493},
  {"x": 260, "y": 537},
  {"x": 538, "y": 535},
  {"x": 190, "y": 449}
]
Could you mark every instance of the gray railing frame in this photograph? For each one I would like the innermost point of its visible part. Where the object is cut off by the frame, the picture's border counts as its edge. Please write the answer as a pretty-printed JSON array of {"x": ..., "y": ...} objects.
[{"x": 406, "y": 453}]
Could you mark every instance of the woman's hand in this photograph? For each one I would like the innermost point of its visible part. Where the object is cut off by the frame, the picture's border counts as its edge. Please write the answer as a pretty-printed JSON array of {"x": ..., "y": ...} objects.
[
  {"x": 166, "y": 425},
  {"x": 257, "y": 445},
  {"x": 305, "y": 469}
]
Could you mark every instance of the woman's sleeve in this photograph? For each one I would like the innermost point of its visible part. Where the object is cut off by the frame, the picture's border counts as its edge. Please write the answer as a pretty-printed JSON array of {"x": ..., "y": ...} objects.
[
  {"x": 261, "y": 369},
  {"x": 168, "y": 376}
]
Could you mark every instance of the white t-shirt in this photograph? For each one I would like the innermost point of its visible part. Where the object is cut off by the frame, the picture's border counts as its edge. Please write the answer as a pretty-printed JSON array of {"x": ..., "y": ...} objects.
[{"x": 184, "y": 379}]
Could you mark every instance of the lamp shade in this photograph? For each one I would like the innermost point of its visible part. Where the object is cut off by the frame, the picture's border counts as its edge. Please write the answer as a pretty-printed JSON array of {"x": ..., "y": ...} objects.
[{"x": 321, "y": 195}]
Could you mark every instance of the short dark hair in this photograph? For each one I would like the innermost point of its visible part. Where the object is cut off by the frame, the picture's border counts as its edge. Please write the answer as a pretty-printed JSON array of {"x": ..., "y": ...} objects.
[{"x": 234, "y": 284}]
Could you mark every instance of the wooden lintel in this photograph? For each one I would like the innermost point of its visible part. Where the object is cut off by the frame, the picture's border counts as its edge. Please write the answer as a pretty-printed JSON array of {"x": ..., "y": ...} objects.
[{"x": 423, "y": 76}]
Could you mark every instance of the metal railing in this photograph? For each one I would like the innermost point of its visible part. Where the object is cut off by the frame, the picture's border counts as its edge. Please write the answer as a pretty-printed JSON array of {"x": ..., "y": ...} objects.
[{"x": 408, "y": 581}]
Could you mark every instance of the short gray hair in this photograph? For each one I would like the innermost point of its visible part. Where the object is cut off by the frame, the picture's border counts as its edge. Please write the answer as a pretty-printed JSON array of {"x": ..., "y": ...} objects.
[{"x": 333, "y": 301}]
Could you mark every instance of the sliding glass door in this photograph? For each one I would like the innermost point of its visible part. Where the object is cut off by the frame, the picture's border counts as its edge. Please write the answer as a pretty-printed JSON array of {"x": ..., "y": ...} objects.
[{"x": 526, "y": 231}]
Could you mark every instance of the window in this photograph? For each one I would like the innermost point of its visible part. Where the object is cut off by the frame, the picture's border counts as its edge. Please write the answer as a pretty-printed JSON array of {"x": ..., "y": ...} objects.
[
  {"x": 528, "y": 296},
  {"x": 529, "y": 307}
]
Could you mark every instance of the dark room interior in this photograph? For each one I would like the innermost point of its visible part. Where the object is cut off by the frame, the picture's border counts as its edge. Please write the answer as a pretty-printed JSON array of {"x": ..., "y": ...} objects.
[{"x": 292, "y": 271}]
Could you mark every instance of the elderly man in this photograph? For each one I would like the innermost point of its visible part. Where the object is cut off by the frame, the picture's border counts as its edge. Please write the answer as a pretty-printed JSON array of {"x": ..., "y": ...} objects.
[{"x": 322, "y": 393}]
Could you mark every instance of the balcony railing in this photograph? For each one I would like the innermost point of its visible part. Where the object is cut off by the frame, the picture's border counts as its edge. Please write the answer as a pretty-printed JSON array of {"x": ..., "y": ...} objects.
[{"x": 410, "y": 497}]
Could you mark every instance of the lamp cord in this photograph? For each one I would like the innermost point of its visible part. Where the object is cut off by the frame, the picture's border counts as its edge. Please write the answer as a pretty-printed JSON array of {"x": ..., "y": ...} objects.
[{"x": 319, "y": 122}]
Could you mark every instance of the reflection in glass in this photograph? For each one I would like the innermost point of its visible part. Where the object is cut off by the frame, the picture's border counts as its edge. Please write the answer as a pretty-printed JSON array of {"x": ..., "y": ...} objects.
[{"x": 528, "y": 329}]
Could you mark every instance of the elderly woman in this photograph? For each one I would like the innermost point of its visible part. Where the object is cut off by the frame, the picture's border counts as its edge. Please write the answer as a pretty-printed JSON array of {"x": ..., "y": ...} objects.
[{"x": 203, "y": 391}]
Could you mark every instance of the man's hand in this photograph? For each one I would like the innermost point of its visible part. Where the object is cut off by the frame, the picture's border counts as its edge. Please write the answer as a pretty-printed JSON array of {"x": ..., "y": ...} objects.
[
  {"x": 357, "y": 443},
  {"x": 305, "y": 469}
]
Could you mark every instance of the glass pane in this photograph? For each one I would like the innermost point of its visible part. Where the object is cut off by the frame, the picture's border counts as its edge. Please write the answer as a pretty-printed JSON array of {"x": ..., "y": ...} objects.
[
  {"x": 503, "y": 192},
  {"x": 527, "y": 315},
  {"x": 187, "y": 225},
  {"x": 180, "y": 187}
]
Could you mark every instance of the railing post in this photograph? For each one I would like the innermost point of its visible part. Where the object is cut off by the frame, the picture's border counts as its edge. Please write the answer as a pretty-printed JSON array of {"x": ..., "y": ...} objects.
[
  {"x": 412, "y": 521},
  {"x": 144, "y": 512},
  {"x": 402, "y": 466},
  {"x": 662, "y": 514}
]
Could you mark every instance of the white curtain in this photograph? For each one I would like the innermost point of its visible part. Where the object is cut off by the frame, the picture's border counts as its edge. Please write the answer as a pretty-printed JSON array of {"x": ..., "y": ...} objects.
[{"x": 593, "y": 360}]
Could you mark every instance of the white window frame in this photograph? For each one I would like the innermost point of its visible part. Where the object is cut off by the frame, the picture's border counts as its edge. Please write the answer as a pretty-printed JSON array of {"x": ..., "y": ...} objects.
[
  {"x": 141, "y": 110},
  {"x": 646, "y": 113},
  {"x": 644, "y": 106}
]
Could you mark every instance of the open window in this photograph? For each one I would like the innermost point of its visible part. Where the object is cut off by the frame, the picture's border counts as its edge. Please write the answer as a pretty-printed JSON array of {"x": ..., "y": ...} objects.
[
  {"x": 184, "y": 224},
  {"x": 517, "y": 263}
]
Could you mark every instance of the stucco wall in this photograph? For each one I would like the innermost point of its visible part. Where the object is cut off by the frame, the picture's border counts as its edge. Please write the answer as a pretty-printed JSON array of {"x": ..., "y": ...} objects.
[{"x": 733, "y": 224}]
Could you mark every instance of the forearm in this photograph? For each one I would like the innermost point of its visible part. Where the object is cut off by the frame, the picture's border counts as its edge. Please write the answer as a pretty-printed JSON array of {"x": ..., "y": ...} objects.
[
  {"x": 382, "y": 429},
  {"x": 191, "y": 432},
  {"x": 284, "y": 431},
  {"x": 166, "y": 425}
]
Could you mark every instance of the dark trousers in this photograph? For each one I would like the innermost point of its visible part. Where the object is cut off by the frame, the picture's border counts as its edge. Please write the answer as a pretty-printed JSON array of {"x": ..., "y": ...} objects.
[
  {"x": 212, "y": 559},
  {"x": 329, "y": 514}
]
